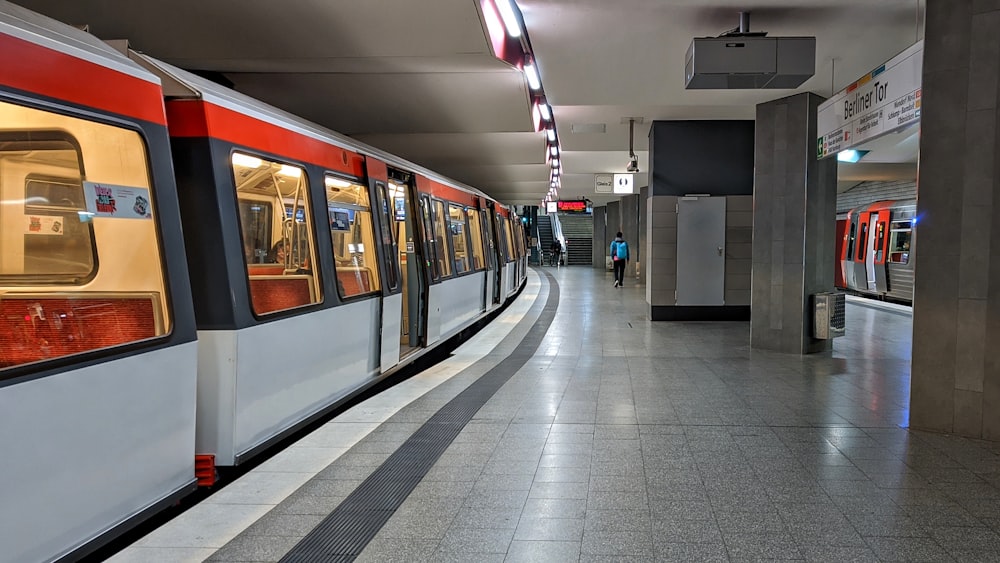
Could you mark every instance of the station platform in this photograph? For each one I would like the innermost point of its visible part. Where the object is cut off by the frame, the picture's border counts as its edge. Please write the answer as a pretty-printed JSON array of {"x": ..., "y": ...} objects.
[{"x": 573, "y": 429}]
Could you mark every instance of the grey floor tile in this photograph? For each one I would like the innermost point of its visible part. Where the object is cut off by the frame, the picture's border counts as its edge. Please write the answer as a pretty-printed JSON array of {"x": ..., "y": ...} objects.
[
  {"x": 559, "y": 490},
  {"x": 618, "y": 520},
  {"x": 828, "y": 554},
  {"x": 255, "y": 548},
  {"x": 477, "y": 517},
  {"x": 618, "y": 543},
  {"x": 393, "y": 550},
  {"x": 476, "y": 540},
  {"x": 908, "y": 549},
  {"x": 667, "y": 552},
  {"x": 554, "y": 508},
  {"x": 617, "y": 500},
  {"x": 757, "y": 547},
  {"x": 549, "y": 529},
  {"x": 686, "y": 531},
  {"x": 543, "y": 552},
  {"x": 294, "y": 525}
]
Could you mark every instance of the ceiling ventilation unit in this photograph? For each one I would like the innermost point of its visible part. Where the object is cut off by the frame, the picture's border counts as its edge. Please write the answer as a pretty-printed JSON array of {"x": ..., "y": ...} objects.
[{"x": 741, "y": 59}]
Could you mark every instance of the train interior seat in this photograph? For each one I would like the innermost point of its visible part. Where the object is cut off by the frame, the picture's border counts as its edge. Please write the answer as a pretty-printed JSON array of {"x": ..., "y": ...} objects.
[
  {"x": 38, "y": 327},
  {"x": 271, "y": 293}
]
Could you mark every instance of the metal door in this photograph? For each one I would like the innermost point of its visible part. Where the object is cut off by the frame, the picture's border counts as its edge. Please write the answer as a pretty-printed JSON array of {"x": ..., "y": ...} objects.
[
  {"x": 392, "y": 293},
  {"x": 701, "y": 250}
]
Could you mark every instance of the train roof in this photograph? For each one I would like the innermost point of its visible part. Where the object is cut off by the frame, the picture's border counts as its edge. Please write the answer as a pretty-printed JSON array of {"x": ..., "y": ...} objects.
[
  {"x": 179, "y": 83},
  {"x": 46, "y": 32}
]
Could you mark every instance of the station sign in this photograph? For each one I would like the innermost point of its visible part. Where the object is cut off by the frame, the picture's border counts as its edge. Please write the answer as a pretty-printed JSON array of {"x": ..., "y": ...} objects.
[
  {"x": 624, "y": 183},
  {"x": 886, "y": 99},
  {"x": 604, "y": 183}
]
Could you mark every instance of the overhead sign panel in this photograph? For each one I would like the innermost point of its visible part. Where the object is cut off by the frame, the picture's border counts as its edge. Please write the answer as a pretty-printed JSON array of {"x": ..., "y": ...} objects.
[
  {"x": 604, "y": 183},
  {"x": 884, "y": 100},
  {"x": 624, "y": 183}
]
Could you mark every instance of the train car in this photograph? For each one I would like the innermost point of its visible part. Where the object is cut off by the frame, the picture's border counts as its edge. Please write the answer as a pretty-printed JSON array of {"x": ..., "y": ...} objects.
[
  {"x": 876, "y": 250},
  {"x": 97, "y": 334},
  {"x": 309, "y": 267},
  {"x": 319, "y": 264}
]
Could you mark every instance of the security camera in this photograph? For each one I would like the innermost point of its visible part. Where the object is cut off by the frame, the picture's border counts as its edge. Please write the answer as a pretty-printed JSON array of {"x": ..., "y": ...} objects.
[{"x": 633, "y": 164}]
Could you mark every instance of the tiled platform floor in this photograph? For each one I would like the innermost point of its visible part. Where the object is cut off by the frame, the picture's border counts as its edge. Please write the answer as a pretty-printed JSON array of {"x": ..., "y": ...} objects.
[{"x": 627, "y": 440}]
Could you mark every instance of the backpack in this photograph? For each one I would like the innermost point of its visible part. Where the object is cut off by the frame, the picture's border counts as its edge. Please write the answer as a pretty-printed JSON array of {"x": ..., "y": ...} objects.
[{"x": 621, "y": 251}]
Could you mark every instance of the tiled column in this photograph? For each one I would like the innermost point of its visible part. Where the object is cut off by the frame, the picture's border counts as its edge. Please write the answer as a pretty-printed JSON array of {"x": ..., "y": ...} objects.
[
  {"x": 794, "y": 201},
  {"x": 955, "y": 385},
  {"x": 661, "y": 260},
  {"x": 600, "y": 235},
  {"x": 630, "y": 230}
]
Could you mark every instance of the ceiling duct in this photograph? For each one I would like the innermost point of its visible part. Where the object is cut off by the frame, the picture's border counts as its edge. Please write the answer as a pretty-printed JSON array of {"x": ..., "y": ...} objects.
[{"x": 741, "y": 59}]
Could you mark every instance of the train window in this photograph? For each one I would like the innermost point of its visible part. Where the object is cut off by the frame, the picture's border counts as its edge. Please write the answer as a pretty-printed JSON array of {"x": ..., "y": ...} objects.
[
  {"x": 276, "y": 230},
  {"x": 502, "y": 239},
  {"x": 256, "y": 218},
  {"x": 899, "y": 242},
  {"x": 863, "y": 242},
  {"x": 389, "y": 249},
  {"x": 441, "y": 239},
  {"x": 850, "y": 240},
  {"x": 80, "y": 262},
  {"x": 511, "y": 241},
  {"x": 353, "y": 236},
  {"x": 459, "y": 238},
  {"x": 428, "y": 231},
  {"x": 476, "y": 231},
  {"x": 879, "y": 240}
]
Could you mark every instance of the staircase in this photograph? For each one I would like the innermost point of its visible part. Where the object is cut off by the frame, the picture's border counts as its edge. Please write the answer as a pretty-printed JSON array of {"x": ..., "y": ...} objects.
[
  {"x": 579, "y": 233},
  {"x": 545, "y": 236}
]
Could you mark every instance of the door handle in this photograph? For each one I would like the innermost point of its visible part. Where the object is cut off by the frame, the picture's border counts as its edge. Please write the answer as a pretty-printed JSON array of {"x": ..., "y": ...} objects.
[{"x": 720, "y": 251}]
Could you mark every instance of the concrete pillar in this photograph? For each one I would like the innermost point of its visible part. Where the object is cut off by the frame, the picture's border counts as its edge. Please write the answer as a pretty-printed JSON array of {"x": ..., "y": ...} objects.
[
  {"x": 600, "y": 235},
  {"x": 614, "y": 225},
  {"x": 641, "y": 252},
  {"x": 630, "y": 230},
  {"x": 955, "y": 384},
  {"x": 794, "y": 202}
]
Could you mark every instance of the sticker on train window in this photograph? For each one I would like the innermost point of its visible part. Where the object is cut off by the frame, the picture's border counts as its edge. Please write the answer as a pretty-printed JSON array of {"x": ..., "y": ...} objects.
[
  {"x": 43, "y": 225},
  {"x": 117, "y": 202}
]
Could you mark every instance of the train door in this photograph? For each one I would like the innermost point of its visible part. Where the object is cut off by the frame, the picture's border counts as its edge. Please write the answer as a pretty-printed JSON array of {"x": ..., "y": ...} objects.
[
  {"x": 411, "y": 308},
  {"x": 496, "y": 264},
  {"x": 392, "y": 288},
  {"x": 861, "y": 245},
  {"x": 489, "y": 258},
  {"x": 879, "y": 234}
]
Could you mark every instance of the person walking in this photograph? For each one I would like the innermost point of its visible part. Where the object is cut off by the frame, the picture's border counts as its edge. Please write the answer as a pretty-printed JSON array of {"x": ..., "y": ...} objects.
[
  {"x": 556, "y": 251},
  {"x": 619, "y": 257}
]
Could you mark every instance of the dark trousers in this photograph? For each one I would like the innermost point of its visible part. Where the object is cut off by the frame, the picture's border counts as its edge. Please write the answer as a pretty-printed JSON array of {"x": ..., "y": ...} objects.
[{"x": 620, "y": 271}]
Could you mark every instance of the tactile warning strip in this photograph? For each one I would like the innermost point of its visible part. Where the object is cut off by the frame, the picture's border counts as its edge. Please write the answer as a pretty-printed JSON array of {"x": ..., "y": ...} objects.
[{"x": 343, "y": 534}]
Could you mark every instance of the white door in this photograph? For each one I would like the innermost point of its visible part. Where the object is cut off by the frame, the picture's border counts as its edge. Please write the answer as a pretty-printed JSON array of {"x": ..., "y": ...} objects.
[{"x": 701, "y": 250}]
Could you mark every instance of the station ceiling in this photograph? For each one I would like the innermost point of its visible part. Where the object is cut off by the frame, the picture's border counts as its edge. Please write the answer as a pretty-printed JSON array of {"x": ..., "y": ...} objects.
[{"x": 419, "y": 78}]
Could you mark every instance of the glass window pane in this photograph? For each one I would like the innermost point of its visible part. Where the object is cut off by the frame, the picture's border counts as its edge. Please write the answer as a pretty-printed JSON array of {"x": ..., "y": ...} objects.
[
  {"x": 441, "y": 239},
  {"x": 353, "y": 234},
  {"x": 431, "y": 247},
  {"x": 475, "y": 229},
  {"x": 459, "y": 238},
  {"x": 391, "y": 271},
  {"x": 276, "y": 229},
  {"x": 80, "y": 261}
]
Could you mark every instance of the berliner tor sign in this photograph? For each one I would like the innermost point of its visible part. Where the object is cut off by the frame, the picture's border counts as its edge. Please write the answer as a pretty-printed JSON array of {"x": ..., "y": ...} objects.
[{"x": 884, "y": 100}]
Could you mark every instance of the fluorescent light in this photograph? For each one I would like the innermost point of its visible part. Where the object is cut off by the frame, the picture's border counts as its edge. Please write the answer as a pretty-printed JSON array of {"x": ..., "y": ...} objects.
[
  {"x": 332, "y": 182},
  {"x": 546, "y": 112},
  {"x": 292, "y": 171},
  {"x": 246, "y": 160},
  {"x": 851, "y": 155},
  {"x": 551, "y": 134},
  {"x": 532, "y": 74},
  {"x": 506, "y": 8},
  {"x": 555, "y": 163},
  {"x": 554, "y": 150}
]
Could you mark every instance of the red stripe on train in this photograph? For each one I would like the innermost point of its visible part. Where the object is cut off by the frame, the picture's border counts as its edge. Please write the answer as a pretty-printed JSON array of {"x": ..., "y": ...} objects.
[
  {"x": 197, "y": 118},
  {"x": 40, "y": 70}
]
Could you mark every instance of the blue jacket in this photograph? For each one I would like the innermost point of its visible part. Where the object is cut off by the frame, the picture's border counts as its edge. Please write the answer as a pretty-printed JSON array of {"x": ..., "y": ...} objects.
[{"x": 619, "y": 248}]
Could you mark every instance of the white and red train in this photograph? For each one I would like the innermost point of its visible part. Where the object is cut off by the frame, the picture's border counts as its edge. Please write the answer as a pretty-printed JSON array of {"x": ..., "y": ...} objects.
[
  {"x": 186, "y": 271},
  {"x": 875, "y": 244}
]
